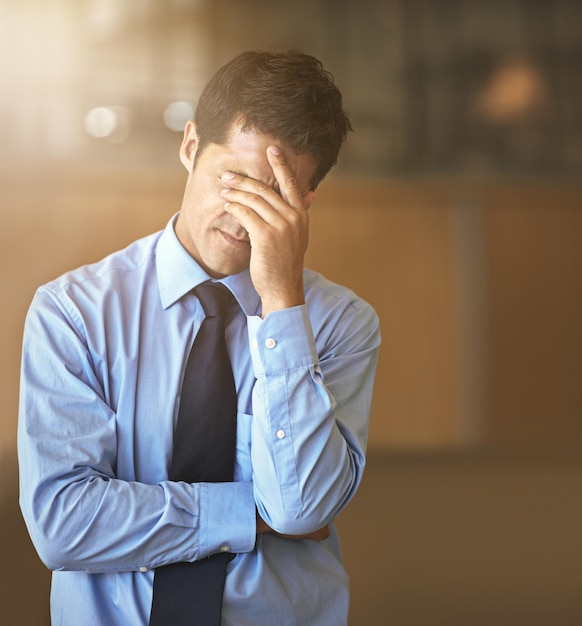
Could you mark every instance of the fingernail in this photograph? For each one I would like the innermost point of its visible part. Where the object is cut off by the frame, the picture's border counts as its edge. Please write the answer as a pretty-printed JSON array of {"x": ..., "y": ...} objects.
[
  {"x": 228, "y": 175},
  {"x": 274, "y": 150}
]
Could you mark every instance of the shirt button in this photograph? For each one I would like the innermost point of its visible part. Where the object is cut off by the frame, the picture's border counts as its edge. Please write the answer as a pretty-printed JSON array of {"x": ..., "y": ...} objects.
[
  {"x": 143, "y": 570},
  {"x": 270, "y": 343},
  {"x": 225, "y": 549},
  {"x": 280, "y": 434}
]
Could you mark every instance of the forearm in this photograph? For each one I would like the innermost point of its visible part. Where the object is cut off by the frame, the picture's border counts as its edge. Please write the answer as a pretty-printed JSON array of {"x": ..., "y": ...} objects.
[
  {"x": 309, "y": 428},
  {"x": 304, "y": 470},
  {"x": 99, "y": 524}
]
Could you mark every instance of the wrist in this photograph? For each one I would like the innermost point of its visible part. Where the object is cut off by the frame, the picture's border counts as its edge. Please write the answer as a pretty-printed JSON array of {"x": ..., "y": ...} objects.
[{"x": 273, "y": 303}]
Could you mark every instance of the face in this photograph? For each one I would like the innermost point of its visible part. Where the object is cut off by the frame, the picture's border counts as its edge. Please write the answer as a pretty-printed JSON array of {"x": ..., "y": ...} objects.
[{"x": 211, "y": 236}]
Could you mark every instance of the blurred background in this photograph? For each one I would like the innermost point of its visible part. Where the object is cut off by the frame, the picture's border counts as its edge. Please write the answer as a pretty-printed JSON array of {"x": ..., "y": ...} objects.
[{"x": 455, "y": 209}]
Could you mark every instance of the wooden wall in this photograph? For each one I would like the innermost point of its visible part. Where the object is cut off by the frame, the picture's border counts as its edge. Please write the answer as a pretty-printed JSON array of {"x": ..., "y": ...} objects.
[{"x": 476, "y": 285}]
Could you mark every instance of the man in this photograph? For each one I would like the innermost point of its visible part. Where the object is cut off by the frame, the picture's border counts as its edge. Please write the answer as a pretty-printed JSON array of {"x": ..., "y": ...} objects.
[{"x": 105, "y": 350}]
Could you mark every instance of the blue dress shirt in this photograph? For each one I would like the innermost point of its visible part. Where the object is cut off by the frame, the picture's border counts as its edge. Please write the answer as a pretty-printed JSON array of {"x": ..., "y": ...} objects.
[{"x": 105, "y": 348}]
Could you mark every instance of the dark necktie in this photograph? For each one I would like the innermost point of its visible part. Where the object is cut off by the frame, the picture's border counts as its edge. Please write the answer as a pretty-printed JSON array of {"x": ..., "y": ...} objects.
[{"x": 204, "y": 450}]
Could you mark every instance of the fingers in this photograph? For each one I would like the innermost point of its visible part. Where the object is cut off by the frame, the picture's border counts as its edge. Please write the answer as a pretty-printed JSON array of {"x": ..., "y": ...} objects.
[
  {"x": 288, "y": 183},
  {"x": 253, "y": 195},
  {"x": 317, "y": 535},
  {"x": 250, "y": 186},
  {"x": 249, "y": 201},
  {"x": 259, "y": 195},
  {"x": 255, "y": 203}
]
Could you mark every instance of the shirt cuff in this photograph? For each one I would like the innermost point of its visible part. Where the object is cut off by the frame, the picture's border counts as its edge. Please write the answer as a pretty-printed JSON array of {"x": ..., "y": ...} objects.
[
  {"x": 228, "y": 519},
  {"x": 282, "y": 341}
]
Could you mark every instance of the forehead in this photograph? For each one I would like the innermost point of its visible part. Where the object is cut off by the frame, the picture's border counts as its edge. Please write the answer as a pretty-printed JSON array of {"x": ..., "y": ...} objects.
[{"x": 246, "y": 153}]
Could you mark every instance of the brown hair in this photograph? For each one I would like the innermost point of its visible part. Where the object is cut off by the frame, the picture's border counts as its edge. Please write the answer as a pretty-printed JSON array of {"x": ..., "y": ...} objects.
[{"x": 284, "y": 94}]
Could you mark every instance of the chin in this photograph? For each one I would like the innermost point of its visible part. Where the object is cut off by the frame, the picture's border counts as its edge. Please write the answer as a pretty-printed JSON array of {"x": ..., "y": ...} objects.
[{"x": 220, "y": 270}]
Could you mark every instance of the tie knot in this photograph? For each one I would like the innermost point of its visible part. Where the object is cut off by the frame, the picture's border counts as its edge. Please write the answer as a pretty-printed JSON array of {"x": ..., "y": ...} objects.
[{"x": 215, "y": 298}]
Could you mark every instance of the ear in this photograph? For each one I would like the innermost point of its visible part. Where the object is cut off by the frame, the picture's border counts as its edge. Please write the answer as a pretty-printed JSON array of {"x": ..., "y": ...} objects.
[
  {"x": 189, "y": 145},
  {"x": 308, "y": 198}
]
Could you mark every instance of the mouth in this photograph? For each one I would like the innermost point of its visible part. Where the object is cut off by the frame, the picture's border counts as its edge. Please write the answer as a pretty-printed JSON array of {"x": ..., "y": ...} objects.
[{"x": 237, "y": 242}]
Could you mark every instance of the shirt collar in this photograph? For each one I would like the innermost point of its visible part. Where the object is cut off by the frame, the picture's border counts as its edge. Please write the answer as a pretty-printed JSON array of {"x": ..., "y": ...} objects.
[{"x": 178, "y": 273}]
